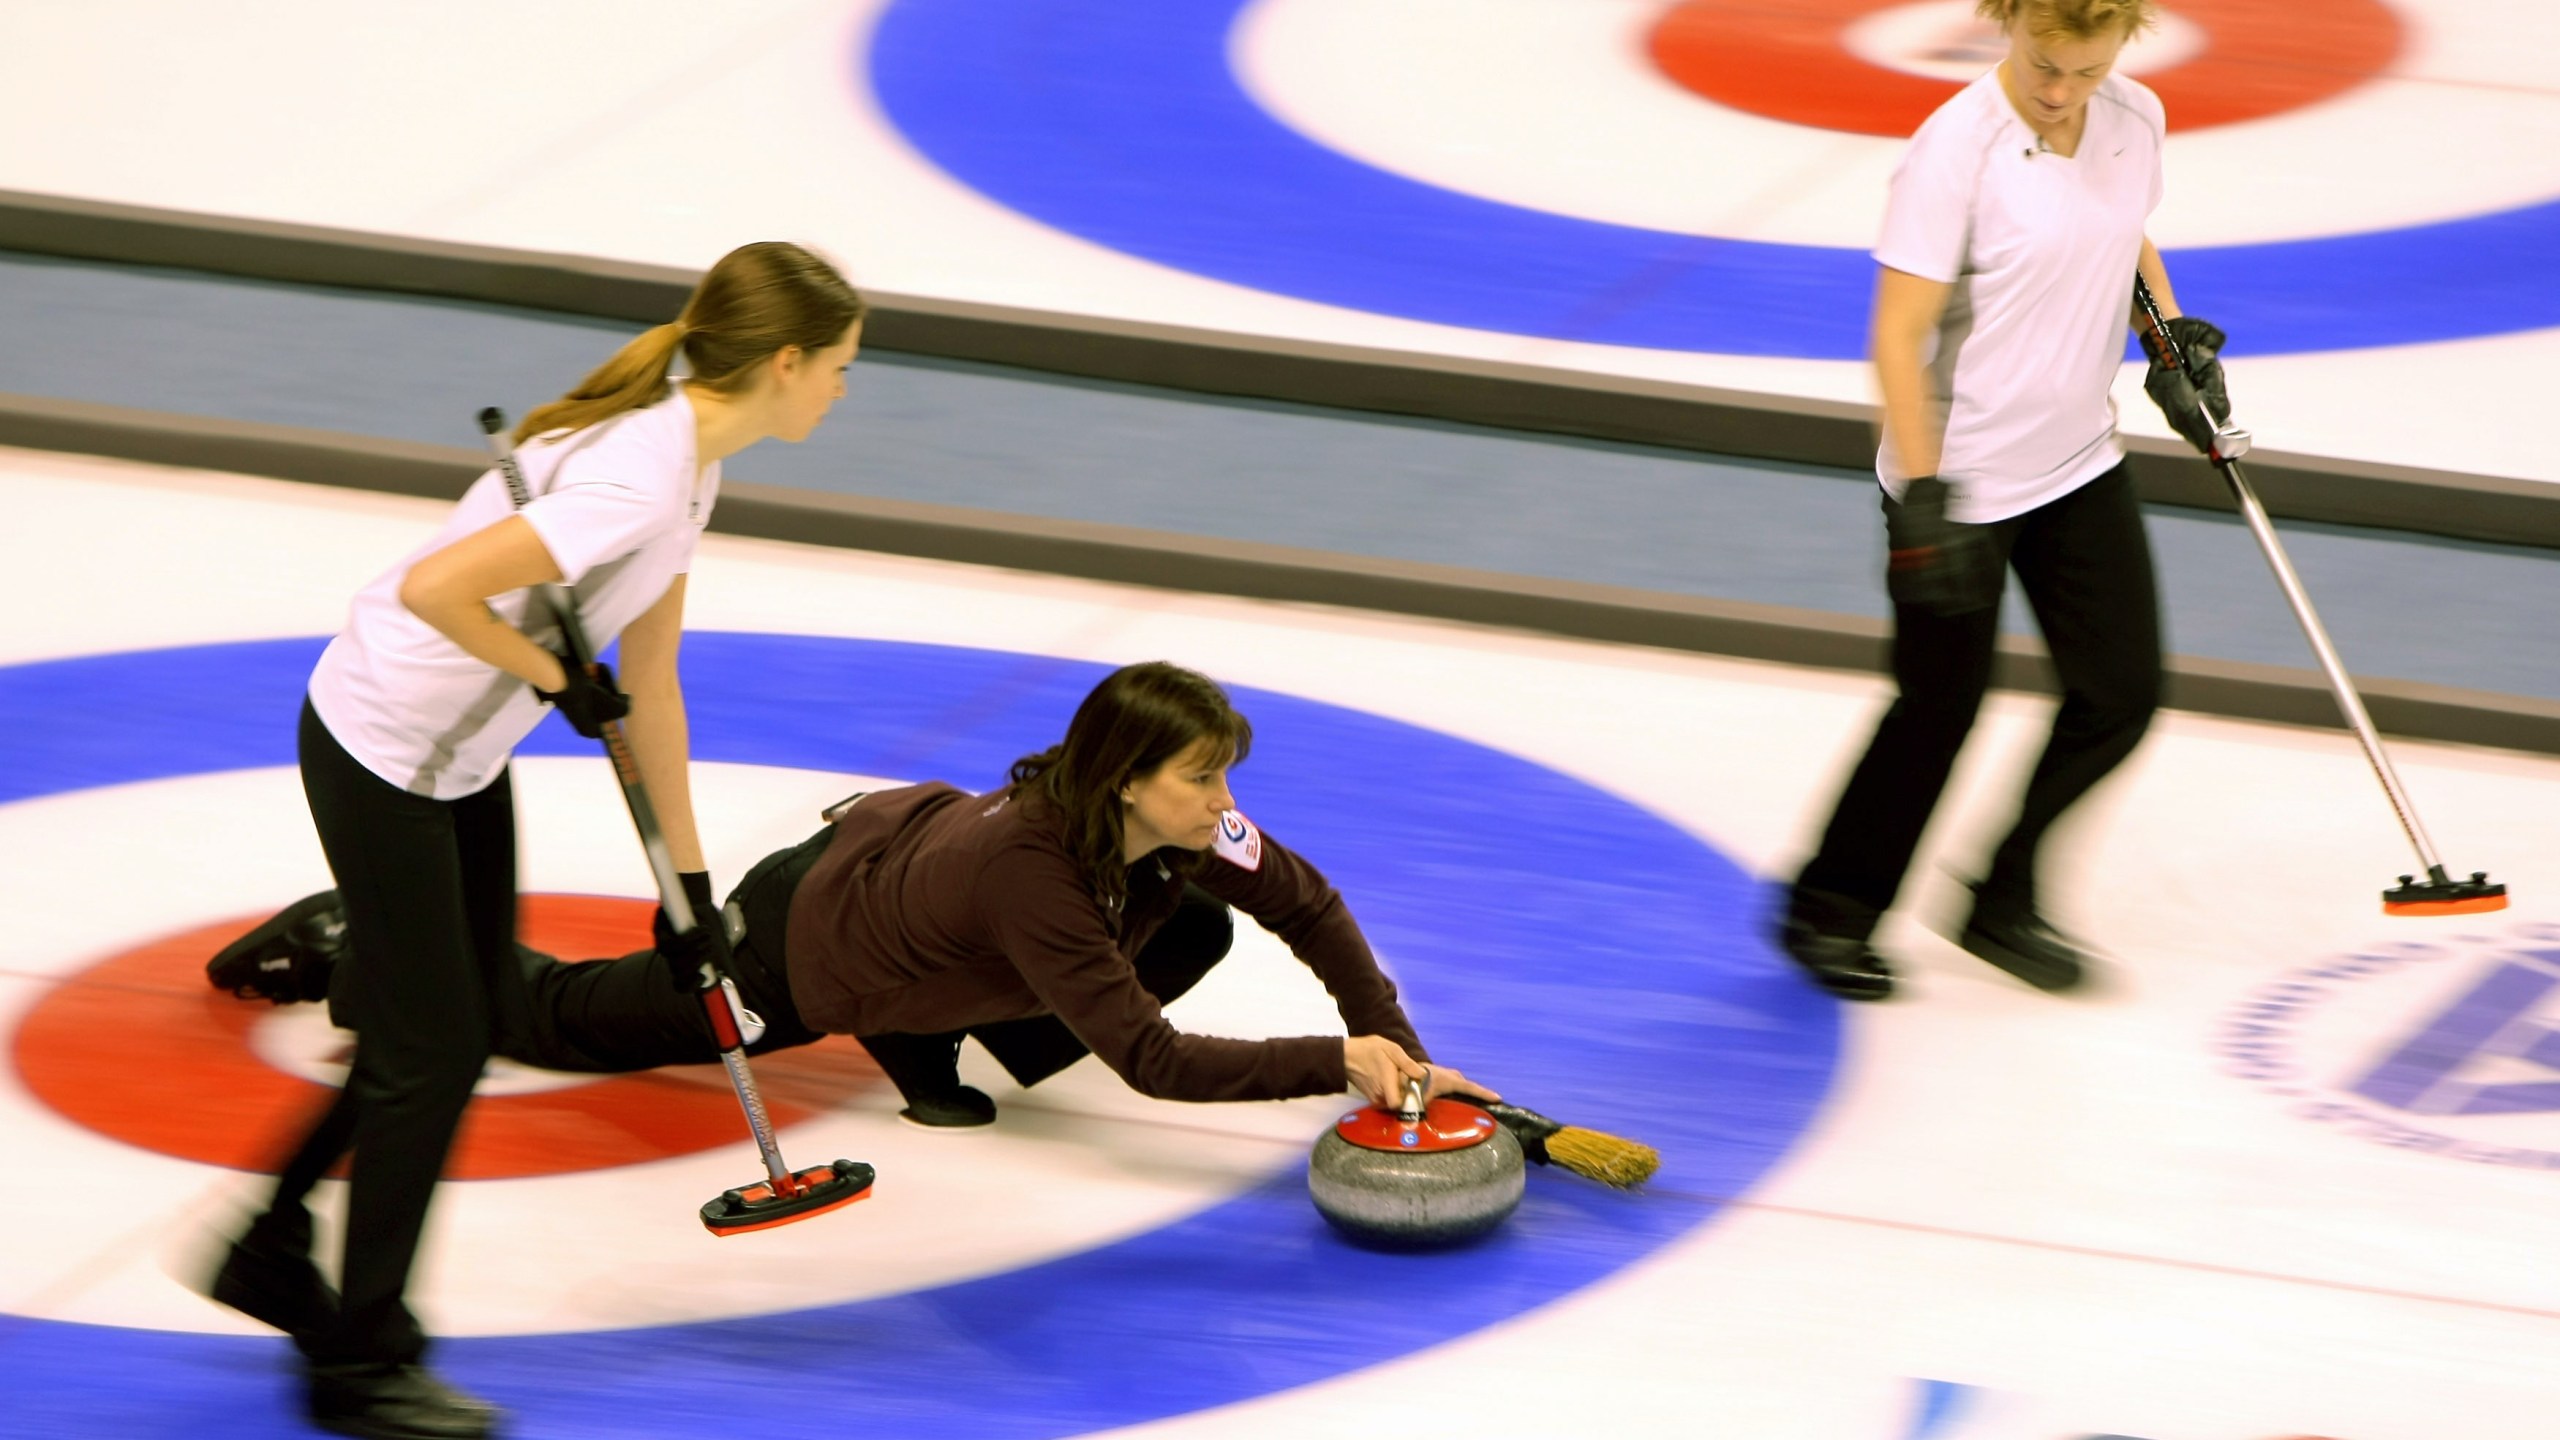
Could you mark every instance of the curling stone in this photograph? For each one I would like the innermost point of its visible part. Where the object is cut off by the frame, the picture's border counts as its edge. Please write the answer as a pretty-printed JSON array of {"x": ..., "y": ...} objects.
[{"x": 1416, "y": 1179}]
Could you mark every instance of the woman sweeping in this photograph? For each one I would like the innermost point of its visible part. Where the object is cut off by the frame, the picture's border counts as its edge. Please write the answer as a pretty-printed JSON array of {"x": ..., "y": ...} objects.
[
  {"x": 443, "y": 666},
  {"x": 2005, "y": 287}
]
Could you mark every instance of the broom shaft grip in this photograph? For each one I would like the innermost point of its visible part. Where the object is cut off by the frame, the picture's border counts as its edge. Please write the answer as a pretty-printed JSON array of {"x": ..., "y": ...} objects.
[{"x": 1521, "y": 1120}]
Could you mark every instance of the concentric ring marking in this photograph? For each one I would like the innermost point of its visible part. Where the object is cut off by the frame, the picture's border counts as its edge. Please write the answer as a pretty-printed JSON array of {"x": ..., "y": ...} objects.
[
  {"x": 207, "y": 1095},
  {"x": 1584, "y": 948},
  {"x": 1123, "y": 124},
  {"x": 2262, "y": 58}
]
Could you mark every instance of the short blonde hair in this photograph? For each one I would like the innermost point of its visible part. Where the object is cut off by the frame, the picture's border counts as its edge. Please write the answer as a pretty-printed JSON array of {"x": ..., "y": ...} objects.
[{"x": 2072, "y": 19}]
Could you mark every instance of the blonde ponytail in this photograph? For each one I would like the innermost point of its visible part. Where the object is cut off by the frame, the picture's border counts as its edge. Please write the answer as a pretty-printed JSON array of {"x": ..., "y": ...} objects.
[
  {"x": 635, "y": 376},
  {"x": 759, "y": 299}
]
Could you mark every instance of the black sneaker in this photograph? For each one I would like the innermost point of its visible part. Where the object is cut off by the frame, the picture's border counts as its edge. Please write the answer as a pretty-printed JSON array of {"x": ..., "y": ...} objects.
[
  {"x": 396, "y": 1402},
  {"x": 1826, "y": 934},
  {"x": 962, "y": 1107},
  {"x": 1845, "y": 965},
  {"x": 288, "y": 957},
  {"x": 2025, "y": 946},
  {"x": 926, "y": 1070},
  {"x": 271, "y": 1280}
]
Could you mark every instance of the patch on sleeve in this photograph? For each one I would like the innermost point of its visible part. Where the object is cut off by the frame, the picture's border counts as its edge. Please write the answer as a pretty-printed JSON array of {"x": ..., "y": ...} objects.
[{"x": 1238, "y": 843}]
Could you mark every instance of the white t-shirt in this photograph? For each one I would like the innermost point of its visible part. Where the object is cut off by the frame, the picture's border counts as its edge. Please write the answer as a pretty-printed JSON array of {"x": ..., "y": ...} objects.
[
  {"x": 619, "y": 506},
  {"x": 2041, "y": 249}
]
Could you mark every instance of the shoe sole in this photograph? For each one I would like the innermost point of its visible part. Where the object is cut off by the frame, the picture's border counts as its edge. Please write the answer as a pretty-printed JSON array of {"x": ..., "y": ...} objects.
[
  {"x": 1846, "y": 985},
  {"x": 1873, "y": 987},
  {"x": 913, "y": 1123},
  {"x": 1880, "y": 990},
  {"x": 2038, "y": 973},
  {"x": 366, "y": 1431}
]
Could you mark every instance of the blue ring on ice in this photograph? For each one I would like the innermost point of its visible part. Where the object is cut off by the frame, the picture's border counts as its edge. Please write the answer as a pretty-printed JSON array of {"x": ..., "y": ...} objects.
[
  {"x": 1124, "y": 124},
  {"x": 1585, "y": 954}
]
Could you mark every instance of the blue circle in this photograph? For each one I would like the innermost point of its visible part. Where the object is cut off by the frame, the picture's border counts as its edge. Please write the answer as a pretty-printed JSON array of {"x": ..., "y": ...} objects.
[
  {"x": 1124, "y": 124},
  {"x": 1587, "y": 956}
]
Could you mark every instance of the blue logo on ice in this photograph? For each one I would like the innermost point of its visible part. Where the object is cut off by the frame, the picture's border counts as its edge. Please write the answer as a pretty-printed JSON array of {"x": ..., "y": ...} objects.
[
  {"x": 2491, "y": 1022},
  {"x": 2334, "y": 1041}
]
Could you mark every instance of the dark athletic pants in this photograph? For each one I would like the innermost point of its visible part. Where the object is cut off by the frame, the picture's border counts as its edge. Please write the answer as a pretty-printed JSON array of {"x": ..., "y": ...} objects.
[
  {"x": 626, "y": 1014},
  {"x": 2085, "y": 566},
  {"x": 428, "y": 985}
]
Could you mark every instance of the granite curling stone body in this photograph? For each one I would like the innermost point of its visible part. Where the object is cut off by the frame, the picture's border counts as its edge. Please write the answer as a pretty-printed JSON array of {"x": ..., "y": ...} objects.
[{"x": 1430, "y": 1176}]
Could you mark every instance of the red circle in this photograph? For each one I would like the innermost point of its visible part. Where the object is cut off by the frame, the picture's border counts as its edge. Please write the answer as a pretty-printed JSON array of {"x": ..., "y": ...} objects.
[
  {"x": 1446, "y": 1124},
  {"x": 141, "y": 1049},
  {"x": 2262, "y": 58}
]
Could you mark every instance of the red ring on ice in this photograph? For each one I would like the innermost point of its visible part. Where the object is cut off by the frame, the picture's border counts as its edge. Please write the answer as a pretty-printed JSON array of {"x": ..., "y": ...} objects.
[
  {"x": 140, "y": 1049},
  {"x": 2261, "y": 58}
]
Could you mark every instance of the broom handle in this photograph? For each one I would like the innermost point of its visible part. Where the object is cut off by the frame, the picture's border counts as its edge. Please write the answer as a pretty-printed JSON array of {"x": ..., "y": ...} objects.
[
  {"x": 653, "y": 841},
  {"x": 2225, "y": 458}
]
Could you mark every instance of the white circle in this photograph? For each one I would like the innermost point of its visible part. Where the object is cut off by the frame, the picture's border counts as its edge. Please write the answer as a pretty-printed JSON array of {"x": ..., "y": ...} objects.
[
  {"x": 300, "y": 1041},
  {"x": 1947, "y": 40},
  {"x": 1079, "y": 1162}
]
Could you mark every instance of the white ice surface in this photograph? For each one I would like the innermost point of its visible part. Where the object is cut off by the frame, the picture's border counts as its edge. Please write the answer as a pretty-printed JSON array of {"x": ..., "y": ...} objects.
[{"x": 2065, "y": 1202}]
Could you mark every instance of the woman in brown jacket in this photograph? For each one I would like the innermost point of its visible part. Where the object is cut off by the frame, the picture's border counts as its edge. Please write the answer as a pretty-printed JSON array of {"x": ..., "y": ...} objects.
[{"x": 1050, "y": 919}]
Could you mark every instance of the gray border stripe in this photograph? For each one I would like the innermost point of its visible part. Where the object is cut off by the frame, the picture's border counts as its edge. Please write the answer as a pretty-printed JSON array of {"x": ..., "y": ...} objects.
[
  {"x": 1515, "y": 397},
  {"x": 1270, "y": 572}
]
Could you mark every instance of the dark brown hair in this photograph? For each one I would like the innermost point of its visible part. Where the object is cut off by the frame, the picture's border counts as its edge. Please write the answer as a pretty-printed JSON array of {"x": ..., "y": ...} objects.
[
  {"x": 1138, "y": 718},
  {"x": 758, "y": 299}
]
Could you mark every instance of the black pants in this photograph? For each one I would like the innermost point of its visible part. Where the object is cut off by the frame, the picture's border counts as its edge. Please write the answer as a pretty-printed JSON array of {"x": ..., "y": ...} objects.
[
  {"x": 2085, "y": 565},
  {"x": 429, "y": 986},
  {"x": 627, "y": 1014},
  {"x": 612, "y": 1016}
]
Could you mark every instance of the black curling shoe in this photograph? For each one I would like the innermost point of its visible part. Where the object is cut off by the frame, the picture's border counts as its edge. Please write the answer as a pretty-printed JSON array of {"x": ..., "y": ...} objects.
[
  {"x": 2022, "y": 944},
  {"x": 926, "y": 1070},
  {"x": 396, "y": 1402},
  {"x": 1845, "y": 965},
  {"x": 962, "y": 1107},
  {"x": 274, "y": 1283},
  {"x": 288, "y": 957}
]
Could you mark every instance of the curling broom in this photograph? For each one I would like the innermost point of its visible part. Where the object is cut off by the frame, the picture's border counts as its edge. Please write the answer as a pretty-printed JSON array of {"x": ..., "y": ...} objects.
[
  {"x": 2438, "y": 893},
  {"x": 1592, "y": 1154},
  {"x": 784, "y": 1195}
]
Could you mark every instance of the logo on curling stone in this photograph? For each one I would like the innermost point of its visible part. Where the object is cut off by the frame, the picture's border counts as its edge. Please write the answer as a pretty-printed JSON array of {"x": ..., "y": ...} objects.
[{"x": 2450, "y": 1047}]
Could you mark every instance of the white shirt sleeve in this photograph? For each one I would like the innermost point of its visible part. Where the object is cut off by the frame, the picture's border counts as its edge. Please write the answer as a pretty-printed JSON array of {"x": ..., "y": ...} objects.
[
  {"x": 604, "y": 505},
  {"x": 1928, "y": 213},
  {"x": 2147, "y": 105}
]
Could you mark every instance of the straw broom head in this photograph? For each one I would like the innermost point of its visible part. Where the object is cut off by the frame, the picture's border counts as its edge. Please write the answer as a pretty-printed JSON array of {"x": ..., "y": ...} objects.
[{"x": 1592, "y": 1154}]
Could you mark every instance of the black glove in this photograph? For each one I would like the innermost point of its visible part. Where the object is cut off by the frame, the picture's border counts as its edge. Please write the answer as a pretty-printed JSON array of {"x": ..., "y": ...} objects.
[
  {"x": 707, "y": 943},
  {"x": 1947, "y": 568},
  {"x": 587, "y": 701},
  {"x": 2193, "y": 394}
]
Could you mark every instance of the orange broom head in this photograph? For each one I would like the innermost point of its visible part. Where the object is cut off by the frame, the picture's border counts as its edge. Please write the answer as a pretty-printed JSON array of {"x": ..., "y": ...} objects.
[
  {"x": 819, "y": 1189},
  {"x": 2440, "y": 894},
  {"x": 2475, "y": 906}
]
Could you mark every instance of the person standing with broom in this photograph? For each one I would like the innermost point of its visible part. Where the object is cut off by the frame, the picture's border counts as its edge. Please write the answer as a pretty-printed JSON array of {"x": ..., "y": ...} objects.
[
  {"x": 2013, "y": 231},
  {"x": 414, "y": 710}
]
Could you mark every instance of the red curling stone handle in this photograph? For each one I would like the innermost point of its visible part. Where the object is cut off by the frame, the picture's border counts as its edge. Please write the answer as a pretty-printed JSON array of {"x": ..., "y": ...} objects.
[{"x": 1446, "y": 1125}]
